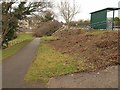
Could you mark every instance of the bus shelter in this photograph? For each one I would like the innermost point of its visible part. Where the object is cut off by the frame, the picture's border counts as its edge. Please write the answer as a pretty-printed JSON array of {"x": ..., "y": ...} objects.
[{"x": 99, "y": 19}]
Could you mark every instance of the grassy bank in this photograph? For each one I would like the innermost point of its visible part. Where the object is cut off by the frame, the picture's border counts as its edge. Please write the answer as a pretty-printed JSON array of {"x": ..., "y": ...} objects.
[
  {"x": 13, "y": 49},
  {"x": 16, "y": 44},
  {"x": 49, "y": 38},
  {"x": 50, "y": 63},
  {"x": 21, "y": 37}
]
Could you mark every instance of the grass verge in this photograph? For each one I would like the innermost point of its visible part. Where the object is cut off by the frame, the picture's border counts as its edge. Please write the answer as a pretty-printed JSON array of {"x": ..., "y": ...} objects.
[
  {"x": 16, "y": 44},
  {"x": 49, "y": 38},
  {"x": 25, "y": 36},
  {"x": 21, "y": 37},
  {"x": 13, "y": 49},
  {"x": 50, "y": 63},
  {"x": 99, "y": 32}
]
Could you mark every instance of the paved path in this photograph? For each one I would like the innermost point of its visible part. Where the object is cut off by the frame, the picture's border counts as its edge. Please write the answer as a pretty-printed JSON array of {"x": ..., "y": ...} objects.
[
  {"x": 15, "y": 68},
  {"x": 107, "y": 78}
]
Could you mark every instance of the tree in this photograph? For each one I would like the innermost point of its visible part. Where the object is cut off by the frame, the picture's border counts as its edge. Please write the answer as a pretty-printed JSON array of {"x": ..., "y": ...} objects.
[
  {"x": 36, "y": 20},
  {"x": 7, "y": 20},
  {"x": 117, "y": 21},
  {"x": 47, "y": 16},
  {"x": 68, "y": 12},
  {"x": 11, "y": 15}
]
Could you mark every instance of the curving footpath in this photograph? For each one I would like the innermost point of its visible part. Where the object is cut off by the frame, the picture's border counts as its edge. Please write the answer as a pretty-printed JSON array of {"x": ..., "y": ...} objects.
[{"x": 15, "y": 67}]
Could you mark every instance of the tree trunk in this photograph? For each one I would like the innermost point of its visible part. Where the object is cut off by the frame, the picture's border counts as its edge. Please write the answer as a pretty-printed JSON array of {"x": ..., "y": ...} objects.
[{"x": 68, "y": 25}]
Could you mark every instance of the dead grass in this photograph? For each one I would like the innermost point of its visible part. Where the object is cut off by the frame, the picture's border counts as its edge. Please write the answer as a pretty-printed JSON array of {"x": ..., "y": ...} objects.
[
  {"x": 99, "y": 47},
  {"x": 74, "y": 51}
]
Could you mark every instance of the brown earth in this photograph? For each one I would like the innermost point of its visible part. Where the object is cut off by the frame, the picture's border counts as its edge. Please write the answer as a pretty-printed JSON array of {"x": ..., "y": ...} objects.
[{"x": 98, "y": 48}]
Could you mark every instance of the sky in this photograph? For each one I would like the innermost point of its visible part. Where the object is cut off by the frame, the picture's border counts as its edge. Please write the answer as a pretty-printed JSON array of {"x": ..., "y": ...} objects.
[
  {"x": 88, "y": 6},
  {"x": 85, "y": 7}
]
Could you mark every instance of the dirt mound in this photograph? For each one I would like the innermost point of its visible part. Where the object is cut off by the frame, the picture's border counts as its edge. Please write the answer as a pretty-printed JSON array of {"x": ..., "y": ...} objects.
[{"x": 99, "y": 48}]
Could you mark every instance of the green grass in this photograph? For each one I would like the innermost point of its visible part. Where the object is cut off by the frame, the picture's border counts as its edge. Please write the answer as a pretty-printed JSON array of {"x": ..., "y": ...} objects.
[
  {"x": 16, "y": 44},
  {"x": 21, "y": 37},
  {"x": 49, "y": 38},
  {"x": 25, "y": 36},
  {"x": 13, "y": 49},
  {"x": 99, "y": 32},
  {"x": 50, "y": 63}
]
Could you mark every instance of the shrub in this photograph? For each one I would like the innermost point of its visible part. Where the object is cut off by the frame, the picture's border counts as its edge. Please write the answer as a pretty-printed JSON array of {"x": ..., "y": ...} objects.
[{"x": 47, "y": 28}]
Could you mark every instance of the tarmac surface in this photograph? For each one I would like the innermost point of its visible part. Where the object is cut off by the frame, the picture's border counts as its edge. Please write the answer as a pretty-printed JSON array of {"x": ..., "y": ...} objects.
[
  {"x": 107, "y": 78},
  {"x": 15, "y": 67}
]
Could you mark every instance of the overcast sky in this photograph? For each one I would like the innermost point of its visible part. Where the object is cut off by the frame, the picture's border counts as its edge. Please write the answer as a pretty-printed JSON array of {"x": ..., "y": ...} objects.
[{"x": 88, "y": 6}]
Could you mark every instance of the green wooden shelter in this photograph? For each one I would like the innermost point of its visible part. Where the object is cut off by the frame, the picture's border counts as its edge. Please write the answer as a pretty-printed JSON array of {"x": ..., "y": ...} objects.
[{"x": 99, "y": 18}]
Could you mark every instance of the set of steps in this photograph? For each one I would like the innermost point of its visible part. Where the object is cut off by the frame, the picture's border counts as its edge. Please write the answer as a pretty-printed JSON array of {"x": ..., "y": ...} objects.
[{"x": 60, "y": 29}]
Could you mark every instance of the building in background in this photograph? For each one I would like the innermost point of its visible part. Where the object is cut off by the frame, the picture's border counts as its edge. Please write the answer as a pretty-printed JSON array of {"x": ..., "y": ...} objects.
[
  {"x": 103, "y": 19},
  {"x": 24, "y": 26}
]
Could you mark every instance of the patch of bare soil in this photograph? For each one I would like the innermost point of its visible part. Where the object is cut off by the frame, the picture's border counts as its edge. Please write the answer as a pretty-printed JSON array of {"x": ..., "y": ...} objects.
[{"x": 98, "y": 48}]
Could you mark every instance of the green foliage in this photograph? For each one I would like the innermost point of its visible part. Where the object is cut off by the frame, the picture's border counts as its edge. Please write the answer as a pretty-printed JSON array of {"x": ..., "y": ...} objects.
[
  {"x": 117, "y": 21},
  {"x": 11, "y": 16},
  {"x": 47, "y": 16}
]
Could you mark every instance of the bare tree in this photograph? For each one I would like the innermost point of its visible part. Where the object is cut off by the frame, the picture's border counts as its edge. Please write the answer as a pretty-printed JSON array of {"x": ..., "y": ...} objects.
[{"x": 68, "y": 11}]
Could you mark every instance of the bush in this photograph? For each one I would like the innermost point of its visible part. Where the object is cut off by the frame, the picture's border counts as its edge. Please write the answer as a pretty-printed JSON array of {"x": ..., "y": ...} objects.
[{"x": 47, "y": 28}]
